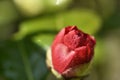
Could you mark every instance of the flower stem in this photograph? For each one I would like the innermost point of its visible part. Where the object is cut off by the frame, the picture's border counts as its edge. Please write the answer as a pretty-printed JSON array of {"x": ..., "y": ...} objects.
[{"x": 25, "y": 60}]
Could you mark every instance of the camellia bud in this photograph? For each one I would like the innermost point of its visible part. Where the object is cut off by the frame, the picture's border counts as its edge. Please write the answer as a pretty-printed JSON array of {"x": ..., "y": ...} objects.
[{"x": 72, "y": 51}]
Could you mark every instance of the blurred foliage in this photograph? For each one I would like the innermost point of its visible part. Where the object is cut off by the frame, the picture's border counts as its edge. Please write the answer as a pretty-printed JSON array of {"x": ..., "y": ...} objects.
[
  {"x": 44, "y": 40},
  {"x": 86, "y": 20},
  {"x": 8, "y": 15},
  {"x": 36, "y": 7},
  {"x": 27, "y": 28}
]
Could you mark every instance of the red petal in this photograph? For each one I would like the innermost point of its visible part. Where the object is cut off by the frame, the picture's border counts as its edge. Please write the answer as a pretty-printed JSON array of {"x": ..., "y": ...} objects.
[
  {"x": 79, "y": 57},
  {"x": 58, "y": 38},
  {"x": 61, "y": 57},
  {"x": 72, "y": 40},
  {"x": 71, "y": 48}
]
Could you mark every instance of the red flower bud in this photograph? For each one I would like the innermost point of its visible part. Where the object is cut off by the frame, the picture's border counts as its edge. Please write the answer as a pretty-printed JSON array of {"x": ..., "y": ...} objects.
[{"x": 71, "y": 49}]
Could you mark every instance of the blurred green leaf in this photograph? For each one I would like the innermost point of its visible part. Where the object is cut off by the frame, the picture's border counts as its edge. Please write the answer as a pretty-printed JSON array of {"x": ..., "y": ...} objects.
[
  {"x": 57, "y": 5},
  {"x": 32, "y": 8},
  {"x": 12, "y": 65},
  {"x": 8, "y": 12},
  {"x": 36, "y": 55},
  {"x": 86, "y": 20},
  {"x": 8, "y": 17},
  {"x": 44, "y": 40},
  {"x": 103, "y": 7},
  {"x": 46, "y": 23}
]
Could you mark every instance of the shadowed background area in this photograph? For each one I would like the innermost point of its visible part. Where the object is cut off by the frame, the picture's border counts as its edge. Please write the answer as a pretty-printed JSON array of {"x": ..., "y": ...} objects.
[{"x": 28, "y": 27}]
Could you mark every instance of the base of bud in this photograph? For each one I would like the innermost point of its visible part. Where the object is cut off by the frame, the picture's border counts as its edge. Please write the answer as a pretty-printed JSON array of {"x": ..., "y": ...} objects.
[{"x": 76, "y": 73}]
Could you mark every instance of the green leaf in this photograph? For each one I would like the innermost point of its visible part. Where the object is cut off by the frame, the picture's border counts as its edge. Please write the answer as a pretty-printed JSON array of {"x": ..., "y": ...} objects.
[
  {"x": 8, "y": 17},
  {"x": 8, "y": 12},
  {"x": 44, "y": 40},
  {"x": 41, "y": 24},
  {"x": 37, "y": 7},
  {"x": 30, "y": 7},
  {"x": 86, "y": 20},
  {"x": 11, "y": 64},
  {"x": 36, "y": 56},
  {"x": 22, "y": 60},
  {"x": 57, "y": 5}
]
